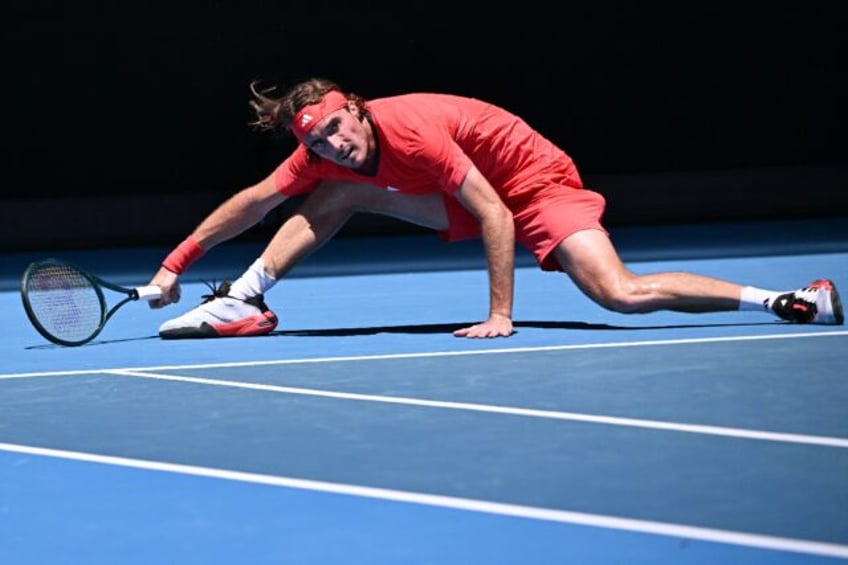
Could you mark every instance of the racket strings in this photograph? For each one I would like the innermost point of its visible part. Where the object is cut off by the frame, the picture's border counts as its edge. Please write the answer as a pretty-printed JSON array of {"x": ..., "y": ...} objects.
[{"x": 65, "y": 302}]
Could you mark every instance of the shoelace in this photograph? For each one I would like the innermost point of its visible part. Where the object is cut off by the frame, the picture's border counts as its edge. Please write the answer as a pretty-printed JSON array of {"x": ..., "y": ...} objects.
[
  {"x": 223, "y": 291},
  {"x": 217, "y": 290}
]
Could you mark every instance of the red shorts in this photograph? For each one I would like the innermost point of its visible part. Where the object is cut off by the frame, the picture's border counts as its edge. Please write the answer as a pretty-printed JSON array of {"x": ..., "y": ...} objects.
[{"x": 541, "y": 223}]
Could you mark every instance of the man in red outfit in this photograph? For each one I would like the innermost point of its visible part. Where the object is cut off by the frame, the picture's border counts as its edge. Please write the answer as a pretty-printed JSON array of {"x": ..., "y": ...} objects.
[{"x": 460, "y": 166}]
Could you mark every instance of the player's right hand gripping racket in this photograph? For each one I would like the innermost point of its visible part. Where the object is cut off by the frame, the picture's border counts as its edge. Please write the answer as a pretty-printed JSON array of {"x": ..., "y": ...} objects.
[{"x": 66, "y": 304}]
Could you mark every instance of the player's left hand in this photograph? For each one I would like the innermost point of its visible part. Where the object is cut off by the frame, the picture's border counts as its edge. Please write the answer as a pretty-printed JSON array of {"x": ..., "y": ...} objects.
[{"x": 495, "y": 326}]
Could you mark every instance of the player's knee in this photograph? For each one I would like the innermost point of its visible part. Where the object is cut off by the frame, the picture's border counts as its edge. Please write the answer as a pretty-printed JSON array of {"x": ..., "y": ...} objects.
[
  {"x": 622, "y": 298},
  {"x": 336, "y": 195},
  {"x": 350, "y": 196},
  {"x": 621, "y": 304},
  {"x": 330, "y": 191}
]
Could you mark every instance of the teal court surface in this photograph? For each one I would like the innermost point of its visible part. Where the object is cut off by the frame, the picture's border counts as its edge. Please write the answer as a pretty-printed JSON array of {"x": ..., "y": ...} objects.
[{"x": 362, "y": 432}]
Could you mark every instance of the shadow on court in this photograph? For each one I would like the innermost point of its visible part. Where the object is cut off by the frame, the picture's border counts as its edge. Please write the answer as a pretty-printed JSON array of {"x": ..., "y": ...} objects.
[
  {"x": 451, "y": 327},
  {"x": 91, "y": 343},
  {"x": 424, "y": 329}
]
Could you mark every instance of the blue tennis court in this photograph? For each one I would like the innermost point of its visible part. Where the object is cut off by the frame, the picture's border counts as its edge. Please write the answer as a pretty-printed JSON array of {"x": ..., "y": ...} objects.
[{"x": 362, "y": 431}]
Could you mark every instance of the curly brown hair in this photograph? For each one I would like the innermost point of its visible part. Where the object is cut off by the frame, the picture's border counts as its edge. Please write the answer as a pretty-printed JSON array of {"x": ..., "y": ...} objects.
[{"x": 278, "y": 112}]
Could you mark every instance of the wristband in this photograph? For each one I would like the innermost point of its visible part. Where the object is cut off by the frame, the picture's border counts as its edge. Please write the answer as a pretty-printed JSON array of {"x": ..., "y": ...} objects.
[{"x": 183, "y": 256}]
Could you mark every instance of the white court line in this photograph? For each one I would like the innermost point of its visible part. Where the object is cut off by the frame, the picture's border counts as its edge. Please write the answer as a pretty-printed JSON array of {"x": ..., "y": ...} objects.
[
  {"x": 531, "y": 512},
  {"x": 509, "y": 410},
  {"x": 537, "y": 349}
]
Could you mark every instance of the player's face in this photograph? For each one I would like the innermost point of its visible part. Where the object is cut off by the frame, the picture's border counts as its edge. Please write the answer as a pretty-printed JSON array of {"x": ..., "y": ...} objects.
[{"x": 341, "y": 137}]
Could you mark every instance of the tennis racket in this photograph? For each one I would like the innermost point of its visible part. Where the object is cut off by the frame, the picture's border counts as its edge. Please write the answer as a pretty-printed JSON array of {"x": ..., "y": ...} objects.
[{"x": 67, "y": 305}]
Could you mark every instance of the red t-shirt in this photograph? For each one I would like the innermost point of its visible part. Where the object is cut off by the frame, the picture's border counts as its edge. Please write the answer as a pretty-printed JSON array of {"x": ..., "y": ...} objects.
[{"x": 428, "y": 142}]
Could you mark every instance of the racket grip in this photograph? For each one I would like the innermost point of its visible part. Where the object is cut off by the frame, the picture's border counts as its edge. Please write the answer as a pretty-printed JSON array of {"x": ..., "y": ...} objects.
[{"x": 149, "y": 292}]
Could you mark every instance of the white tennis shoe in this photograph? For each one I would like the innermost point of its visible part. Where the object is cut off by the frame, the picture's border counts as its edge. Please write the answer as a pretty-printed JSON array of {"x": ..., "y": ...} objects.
[{"x": 221, "y": 315}]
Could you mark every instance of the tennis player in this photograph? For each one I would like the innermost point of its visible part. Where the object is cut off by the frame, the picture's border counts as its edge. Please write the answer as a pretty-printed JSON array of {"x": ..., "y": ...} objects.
[{"x": 464, "y": 168}]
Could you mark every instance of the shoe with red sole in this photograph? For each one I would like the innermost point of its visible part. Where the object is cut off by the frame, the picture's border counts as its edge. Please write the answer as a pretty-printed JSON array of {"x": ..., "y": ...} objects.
[
  {"x": 221, "y": 315},
  {"x": 818, "y": 303}
]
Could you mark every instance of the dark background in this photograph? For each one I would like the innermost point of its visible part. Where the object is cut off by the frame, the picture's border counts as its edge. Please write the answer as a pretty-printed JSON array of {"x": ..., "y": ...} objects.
[{"x": 126, "y": 123}]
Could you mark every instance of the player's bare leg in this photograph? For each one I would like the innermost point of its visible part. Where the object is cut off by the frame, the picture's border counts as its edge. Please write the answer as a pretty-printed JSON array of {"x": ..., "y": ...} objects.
[
  {"x": 592, "y": 262},
  {"x": 330, "y": 206}
]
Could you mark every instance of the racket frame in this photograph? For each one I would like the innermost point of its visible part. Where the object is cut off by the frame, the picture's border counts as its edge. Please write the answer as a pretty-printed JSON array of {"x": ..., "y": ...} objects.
[{"x": 97, "y": 283}]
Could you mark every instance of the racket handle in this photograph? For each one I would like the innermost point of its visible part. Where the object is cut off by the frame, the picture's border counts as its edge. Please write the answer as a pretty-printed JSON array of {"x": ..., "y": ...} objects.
[{"x": 149, "y": 292}]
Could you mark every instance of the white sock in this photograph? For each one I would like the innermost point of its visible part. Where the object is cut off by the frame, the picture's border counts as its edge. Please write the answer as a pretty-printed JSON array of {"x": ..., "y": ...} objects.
[
  {"x": 253, "y": 282},
  {"x": 757, "y": 299}
]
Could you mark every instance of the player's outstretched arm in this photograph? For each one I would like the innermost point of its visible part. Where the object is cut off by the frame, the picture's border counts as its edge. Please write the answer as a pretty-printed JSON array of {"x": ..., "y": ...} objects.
[{"x": 237, "y": 214}]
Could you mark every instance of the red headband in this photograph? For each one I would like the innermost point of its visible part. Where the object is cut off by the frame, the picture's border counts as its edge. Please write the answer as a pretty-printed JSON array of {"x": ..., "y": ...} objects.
[{"x": 310, "y": 115}]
